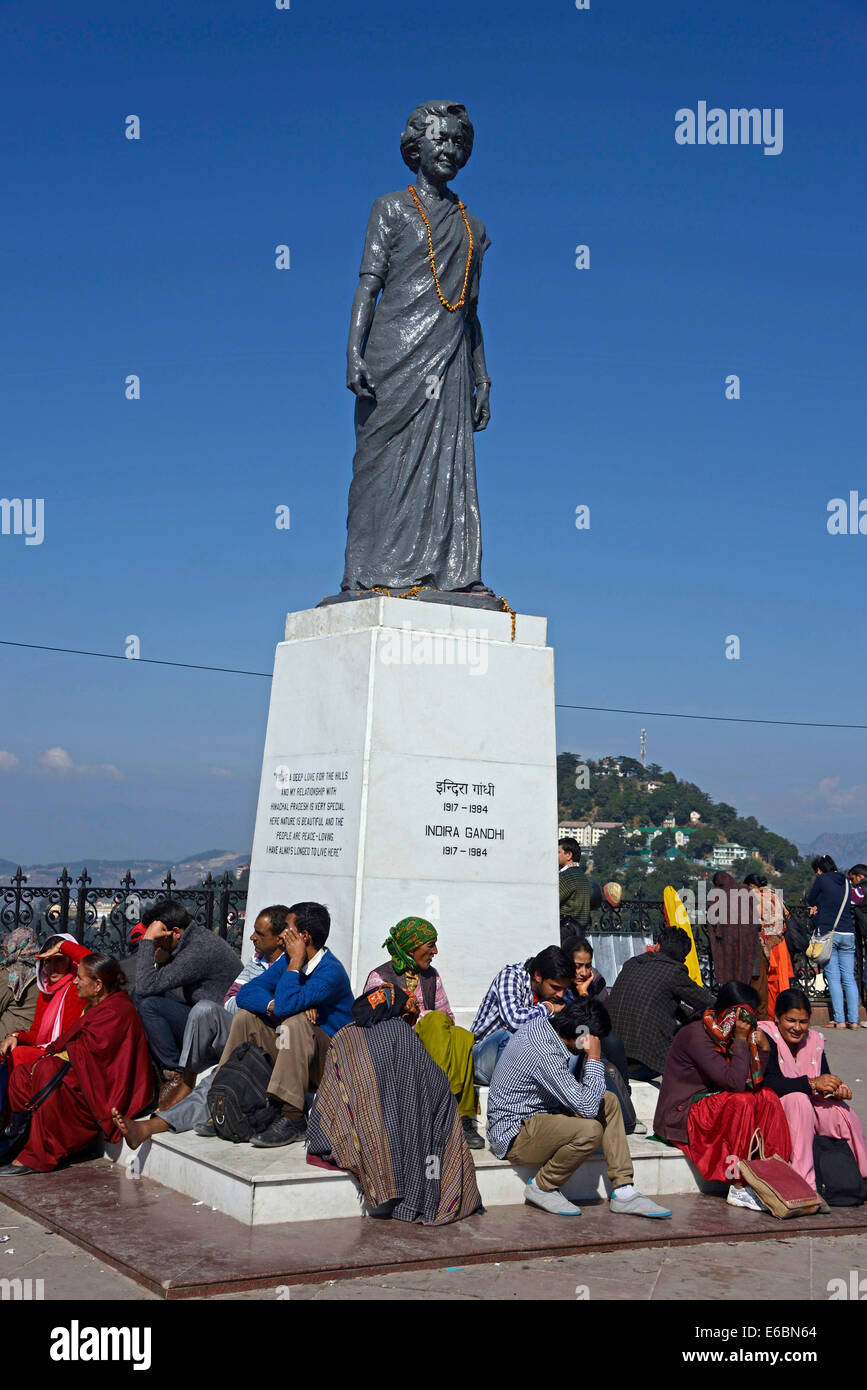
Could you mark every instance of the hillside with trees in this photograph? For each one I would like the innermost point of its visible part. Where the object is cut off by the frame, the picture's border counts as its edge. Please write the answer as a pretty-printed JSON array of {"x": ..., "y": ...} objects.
[{"x": 621, "y": 789}]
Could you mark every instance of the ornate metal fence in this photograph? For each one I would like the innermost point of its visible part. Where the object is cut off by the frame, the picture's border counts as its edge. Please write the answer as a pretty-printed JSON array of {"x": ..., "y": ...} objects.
[
  {"x": 645, "y": 918},
  {"x": 101, "y": 917}
]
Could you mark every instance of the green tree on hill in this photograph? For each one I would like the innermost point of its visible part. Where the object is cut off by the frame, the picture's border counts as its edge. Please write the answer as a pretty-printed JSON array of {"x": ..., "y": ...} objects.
[{"x": 620, "y": 798}]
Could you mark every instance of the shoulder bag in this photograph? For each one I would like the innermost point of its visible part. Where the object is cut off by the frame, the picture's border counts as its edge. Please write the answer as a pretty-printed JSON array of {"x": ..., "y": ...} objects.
[{"x": 819, "y": 949}]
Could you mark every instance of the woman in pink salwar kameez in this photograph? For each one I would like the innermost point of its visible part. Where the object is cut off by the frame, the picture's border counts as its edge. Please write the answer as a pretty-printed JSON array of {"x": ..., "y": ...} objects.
[{"x": 813, "y": 1098}]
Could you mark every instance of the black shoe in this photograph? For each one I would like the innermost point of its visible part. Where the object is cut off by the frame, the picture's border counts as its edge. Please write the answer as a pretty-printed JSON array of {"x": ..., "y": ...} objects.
[
  {"x": 471, "y": 1134},
  {"x": 206, "y": 1131},
  {"x": 15, "y": 1170},
  {"x": 279, "y": 1132}
]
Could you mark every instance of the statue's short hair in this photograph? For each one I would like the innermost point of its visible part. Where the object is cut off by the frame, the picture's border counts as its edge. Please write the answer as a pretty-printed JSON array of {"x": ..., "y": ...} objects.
[{"x": 416, "y": 127}]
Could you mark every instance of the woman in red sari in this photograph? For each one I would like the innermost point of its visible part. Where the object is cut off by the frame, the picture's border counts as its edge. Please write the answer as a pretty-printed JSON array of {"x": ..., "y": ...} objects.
[
  {"x": 109, "y": 1065},
  {"x": 713, "y": 1097}
]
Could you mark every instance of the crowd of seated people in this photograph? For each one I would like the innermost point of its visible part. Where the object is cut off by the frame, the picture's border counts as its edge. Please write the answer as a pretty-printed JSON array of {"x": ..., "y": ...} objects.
[{"x": 385, "y": 1086}]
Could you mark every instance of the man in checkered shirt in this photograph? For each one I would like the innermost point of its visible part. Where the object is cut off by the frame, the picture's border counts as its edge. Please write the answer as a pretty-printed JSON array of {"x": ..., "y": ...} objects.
[{"x": 534, "y": 989}]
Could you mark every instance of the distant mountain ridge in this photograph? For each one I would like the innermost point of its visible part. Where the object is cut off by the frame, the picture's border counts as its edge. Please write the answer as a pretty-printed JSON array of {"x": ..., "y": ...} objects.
[
  {"x": 845, "y": 850},
  {"x": 148, "y": 873}
]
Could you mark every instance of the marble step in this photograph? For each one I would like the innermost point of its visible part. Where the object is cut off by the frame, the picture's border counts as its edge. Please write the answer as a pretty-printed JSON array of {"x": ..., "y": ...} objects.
[{"x": 264, "y": 1186}]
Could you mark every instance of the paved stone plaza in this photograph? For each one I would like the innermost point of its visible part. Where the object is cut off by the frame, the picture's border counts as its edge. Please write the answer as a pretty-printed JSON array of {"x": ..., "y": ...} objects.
[{"x": 180, "y": 1250}]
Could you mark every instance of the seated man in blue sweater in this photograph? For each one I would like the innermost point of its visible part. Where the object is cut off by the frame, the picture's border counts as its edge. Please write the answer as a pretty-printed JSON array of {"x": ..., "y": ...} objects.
[{"x": 292, "y": 1011}]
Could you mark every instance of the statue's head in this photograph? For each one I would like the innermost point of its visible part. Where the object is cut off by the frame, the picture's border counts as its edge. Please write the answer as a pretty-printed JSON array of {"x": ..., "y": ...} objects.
[{"x": 438, "y": 139}]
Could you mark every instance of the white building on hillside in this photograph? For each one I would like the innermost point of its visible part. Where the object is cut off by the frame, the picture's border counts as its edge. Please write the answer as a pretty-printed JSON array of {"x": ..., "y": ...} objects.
[
  {"x": 725, "y": 855},
  {"x": 587, "y": 833}
]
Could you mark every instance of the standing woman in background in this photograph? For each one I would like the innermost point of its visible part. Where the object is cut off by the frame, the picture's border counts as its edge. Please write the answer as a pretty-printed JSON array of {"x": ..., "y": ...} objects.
[
  {"x": 828, "y": 896},
  {"x": 771, "y": 919}
]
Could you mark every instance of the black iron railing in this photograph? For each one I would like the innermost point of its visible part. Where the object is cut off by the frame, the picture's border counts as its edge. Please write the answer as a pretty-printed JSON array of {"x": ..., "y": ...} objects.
[
  {"x": 101, "y": 917},
  {"x": 640, "y": 916}
]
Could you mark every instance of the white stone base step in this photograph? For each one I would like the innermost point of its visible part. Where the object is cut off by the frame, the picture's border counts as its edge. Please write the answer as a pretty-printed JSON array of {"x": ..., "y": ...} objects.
[{"x": 261, "y": 1186}]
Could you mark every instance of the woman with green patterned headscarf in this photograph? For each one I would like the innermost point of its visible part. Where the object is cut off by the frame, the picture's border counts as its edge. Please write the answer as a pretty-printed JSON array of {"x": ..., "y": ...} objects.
[{"x": 411, "y": 946}]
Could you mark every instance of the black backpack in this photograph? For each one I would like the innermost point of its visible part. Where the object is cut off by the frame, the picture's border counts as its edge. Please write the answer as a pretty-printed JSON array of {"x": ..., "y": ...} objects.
[
  {"x": 838, "y": 1180},
  {"x": 238, "y": 1098},
  {"x": 797, "y": 935}
]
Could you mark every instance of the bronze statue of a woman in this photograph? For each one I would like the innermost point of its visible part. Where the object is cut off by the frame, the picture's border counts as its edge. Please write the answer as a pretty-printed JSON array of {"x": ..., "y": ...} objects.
[{"x": 416, "y": 363}]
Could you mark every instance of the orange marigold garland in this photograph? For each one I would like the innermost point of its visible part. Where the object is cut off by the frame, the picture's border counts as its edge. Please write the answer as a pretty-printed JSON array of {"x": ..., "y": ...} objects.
[{"x": 452, "y": 308}]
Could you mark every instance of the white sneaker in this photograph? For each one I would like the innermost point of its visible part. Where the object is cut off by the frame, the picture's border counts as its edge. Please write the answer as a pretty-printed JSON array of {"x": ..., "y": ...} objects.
[
  {"x": 550, "y": 1201},
  {"x": 744, "y": 1197}
]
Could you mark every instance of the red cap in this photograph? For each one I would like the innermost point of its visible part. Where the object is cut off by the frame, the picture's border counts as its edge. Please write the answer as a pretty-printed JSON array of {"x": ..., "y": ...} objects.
[{"x": 137, "y": 932}]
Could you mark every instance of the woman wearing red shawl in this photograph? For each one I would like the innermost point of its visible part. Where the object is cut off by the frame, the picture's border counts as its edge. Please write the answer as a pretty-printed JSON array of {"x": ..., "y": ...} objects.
[
  {"x": 109, "y": 1065},
  {"x": 713, "y": 1095},
  {"x": 58, "y": 1004},
  {"x": 812, "y": 1097}
]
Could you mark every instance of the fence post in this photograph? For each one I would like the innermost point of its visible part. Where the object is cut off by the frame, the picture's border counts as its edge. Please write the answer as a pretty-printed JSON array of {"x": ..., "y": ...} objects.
[
  {"x": 209, "y": 902},
  {"x": 18, "y": 880},
  {"x": 63, "y": 882},
  {"x": 81, "y": 904},
  {"x": 225, "y": 888}
]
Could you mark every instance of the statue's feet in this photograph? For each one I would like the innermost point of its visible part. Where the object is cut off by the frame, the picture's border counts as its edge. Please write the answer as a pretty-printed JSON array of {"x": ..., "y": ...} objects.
[{"x": 477, "y": 588}]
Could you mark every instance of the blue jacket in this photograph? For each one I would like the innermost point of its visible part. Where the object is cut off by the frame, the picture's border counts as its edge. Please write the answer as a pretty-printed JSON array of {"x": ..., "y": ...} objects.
[
  {"x": 328, "y": 991},
  {"x": 826, "y": 892}
]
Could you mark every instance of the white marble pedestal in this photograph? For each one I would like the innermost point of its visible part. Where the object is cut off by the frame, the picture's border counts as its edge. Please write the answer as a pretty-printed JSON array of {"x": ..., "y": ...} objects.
[{"x": 409, "y": 769}]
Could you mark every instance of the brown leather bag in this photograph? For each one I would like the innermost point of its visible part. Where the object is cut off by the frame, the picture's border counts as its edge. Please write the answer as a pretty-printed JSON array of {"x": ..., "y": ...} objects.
[{"x": 775, "y": 1182}]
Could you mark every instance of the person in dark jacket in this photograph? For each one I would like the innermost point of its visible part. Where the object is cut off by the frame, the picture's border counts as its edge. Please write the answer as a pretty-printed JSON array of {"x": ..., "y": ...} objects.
[
  {"x": 650, "y": 996},
  {"x": 733, "y": 932},
  {"x": 813, "y": 1098},
  {"x": 828, "y": 896},
  {"x": 858, "y": 907},
  {"x": 177, "y": 953},
  {"x": 713, "y": 1096},
  {"x": 575, "y": 890}
]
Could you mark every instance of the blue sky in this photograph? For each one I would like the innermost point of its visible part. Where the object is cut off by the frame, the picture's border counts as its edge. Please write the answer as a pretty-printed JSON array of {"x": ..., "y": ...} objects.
[{"x": 156, "y": 257}]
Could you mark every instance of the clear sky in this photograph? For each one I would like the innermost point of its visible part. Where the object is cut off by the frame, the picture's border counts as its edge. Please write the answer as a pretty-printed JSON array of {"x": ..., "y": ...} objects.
[{"x": 259, "y": 127}]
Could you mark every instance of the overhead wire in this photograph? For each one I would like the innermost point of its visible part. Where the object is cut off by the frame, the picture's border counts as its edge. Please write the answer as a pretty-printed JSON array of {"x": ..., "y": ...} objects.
[{"x": 596, "y": 709}]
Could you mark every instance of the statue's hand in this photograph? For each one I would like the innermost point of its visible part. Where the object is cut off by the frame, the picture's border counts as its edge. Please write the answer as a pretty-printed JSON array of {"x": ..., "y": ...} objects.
[
  {"x": 481, "y": 407},
  {"x": 359, "y": 382}
]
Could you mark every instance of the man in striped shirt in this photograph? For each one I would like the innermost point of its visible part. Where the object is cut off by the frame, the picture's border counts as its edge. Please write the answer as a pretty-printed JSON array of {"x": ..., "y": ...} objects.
[
  {"x": 540, "y": 1114},
  {"x": 515, "y": 995}
]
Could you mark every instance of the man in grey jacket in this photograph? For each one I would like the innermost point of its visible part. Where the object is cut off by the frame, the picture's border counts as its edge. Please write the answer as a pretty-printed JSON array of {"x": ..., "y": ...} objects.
[{"x": 176, "y": 953}]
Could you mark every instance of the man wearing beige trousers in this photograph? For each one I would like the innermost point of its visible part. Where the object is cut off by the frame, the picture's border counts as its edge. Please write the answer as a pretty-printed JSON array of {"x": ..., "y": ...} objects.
[{"x": 540, "y": 1115}]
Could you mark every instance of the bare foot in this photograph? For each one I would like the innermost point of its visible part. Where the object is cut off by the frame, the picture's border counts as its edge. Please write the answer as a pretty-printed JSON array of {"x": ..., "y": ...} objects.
[{"x": 135, "y": 1132}]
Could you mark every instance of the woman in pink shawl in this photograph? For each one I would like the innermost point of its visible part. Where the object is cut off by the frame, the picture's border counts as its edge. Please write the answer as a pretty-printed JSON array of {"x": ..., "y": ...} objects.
[
  {"x": 813, "y": 1098},
  {"x": 58, "y": 1005}
]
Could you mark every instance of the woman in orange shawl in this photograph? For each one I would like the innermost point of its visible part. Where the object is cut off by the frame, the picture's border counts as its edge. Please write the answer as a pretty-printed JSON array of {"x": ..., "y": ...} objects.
[
  {"x": 769, "y": 914},
  {"x": 101, "y": 1061}
]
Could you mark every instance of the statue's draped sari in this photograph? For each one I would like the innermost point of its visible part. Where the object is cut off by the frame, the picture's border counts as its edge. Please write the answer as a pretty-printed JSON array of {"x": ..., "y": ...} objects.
[{"x": 413, "y": 504}]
